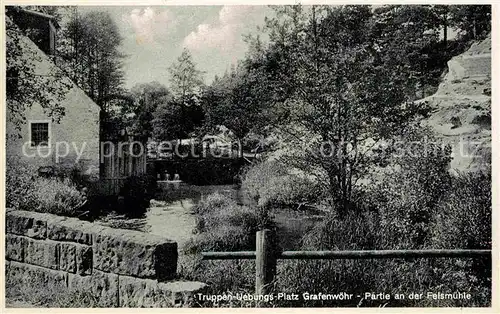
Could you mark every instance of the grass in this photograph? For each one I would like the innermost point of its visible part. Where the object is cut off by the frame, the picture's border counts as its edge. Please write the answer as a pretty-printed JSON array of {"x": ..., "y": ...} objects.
[
  {"x": 380, "y": 276},
  {"x": 28, "y": 292},
  {"x": 222, "y": 225}
]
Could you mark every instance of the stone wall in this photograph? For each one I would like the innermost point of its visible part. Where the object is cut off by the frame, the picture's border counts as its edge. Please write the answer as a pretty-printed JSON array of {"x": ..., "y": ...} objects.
[{"x": 119, "y": 268}]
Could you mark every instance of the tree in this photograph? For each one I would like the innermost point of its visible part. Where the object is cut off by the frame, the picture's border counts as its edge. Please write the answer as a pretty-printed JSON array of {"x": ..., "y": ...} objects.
[
  {"x": 54, "y": 11},
  {"x": 473, "y": 21},
  {"x": 90, "y": 54},
  {"x": 174, "y": 121},
  {"x": 409, "y": 34},
  {"x": 180, "y": 114},
  {"x": 115, "y": 119},
  {"x": 25, "y": 85},
  {"x": 412, "y": 33},
  {"x": 168, "y": 121},
  {"x": 148, "y": 96},
  {"x": 342, "y": 91},
  {"x": 442, "y": 13},
  {"x": 240, "y": 99},
  {"x": 185, "y": 80}
]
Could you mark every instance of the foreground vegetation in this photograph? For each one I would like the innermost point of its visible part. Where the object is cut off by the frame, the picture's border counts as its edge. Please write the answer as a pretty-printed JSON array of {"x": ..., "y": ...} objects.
[
  {"x": 26, "y": 292},
  {"x": 28, "y": 189},
  {"x": 337, "y": 115},
  {"x": 67, "y": 193},
  {"x": 386, "y": 217}
]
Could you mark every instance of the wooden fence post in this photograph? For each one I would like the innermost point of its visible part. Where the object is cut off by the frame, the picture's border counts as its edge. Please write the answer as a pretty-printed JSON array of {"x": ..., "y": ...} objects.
[{"x": 265, "y": 261}]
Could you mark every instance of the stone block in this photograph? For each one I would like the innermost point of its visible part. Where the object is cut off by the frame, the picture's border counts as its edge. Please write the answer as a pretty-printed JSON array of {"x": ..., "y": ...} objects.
[
  {"x": 183, "y": 293},
  {"x": 67, "y": 257},
  {"x": 30, "y": 224},
  {"x": 41, "y": 252},
  {"x": 7, "y": 266},
  {"x": 138, "y": 292},
  {"x": 102, "y": 286},
  {"x": 133, "y": 253},
  {"x": 75, "y": 258},
  {"x": 37, "y": 277},
  {"x": 70, "y": 229},
  {"x": 14, "y": 247},
  {"x": 83, "y": 259}
]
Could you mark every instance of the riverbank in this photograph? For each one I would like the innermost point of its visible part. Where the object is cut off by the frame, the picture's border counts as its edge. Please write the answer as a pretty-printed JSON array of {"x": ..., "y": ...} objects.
[{"x": 171, "y": 215}]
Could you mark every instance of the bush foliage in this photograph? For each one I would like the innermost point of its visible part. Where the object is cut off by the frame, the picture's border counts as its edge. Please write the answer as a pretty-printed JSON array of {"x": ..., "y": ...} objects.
[
  {"x": 414, "y": 203},
  {"x": 26, "y": 190},
  {"x": 270, "y": 184},
  {"x": 223, "y": 225},
  {"x": 461, "y": 219}
]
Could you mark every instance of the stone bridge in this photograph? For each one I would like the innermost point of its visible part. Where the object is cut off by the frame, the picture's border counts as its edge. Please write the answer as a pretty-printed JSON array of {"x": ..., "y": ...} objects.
[{"x": 120, "y": 268}]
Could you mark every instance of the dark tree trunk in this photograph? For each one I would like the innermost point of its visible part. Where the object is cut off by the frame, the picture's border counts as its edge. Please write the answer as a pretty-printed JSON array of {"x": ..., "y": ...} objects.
[{"x": 445, "y": 33}]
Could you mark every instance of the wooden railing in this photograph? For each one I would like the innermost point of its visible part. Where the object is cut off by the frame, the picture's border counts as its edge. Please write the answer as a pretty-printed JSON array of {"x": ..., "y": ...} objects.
[{"x": 266, "y": 256}]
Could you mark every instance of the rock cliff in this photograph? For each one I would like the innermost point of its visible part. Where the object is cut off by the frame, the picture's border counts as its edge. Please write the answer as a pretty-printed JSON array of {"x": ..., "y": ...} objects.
[{"x": 461, "y": 108}]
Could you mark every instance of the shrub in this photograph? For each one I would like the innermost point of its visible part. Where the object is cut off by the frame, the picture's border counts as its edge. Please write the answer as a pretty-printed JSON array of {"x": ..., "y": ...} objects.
[
  {"x": 28, "y": 191},
  {"x": 212, "y": 203},
  {"x": 463, "y": 221},
  {"x": 415, "y": 203},
  {"x": 271, "y": 184},
  {"x": 224, "y": 238},
  {"x": 362, "y": 231},
  {"x": 407, "y": 192},
  {"x": 357, "y": 231},
  {"x": 55, "y": 196},
  {"x": 223, "y": 225},
  {"x": 463, "y": 218},
  {"x": 19, "y": 182}
]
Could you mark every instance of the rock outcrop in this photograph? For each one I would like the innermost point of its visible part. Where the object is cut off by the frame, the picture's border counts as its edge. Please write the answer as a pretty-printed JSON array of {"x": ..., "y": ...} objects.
[{"x": 461, "y": 107}]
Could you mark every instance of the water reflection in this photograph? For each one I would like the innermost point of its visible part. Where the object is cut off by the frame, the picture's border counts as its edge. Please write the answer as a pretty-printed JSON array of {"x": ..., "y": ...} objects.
[
  {"x": 173, "y": 191},
  {"x": 169, "y": 214}
]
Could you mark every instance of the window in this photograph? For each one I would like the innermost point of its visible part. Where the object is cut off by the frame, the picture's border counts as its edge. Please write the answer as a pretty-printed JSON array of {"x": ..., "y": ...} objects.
[{"x": 39, "y": 134}]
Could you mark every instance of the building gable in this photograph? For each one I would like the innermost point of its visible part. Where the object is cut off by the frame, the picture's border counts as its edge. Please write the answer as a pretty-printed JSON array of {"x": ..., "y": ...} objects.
[{"x": 77, "y": 131}]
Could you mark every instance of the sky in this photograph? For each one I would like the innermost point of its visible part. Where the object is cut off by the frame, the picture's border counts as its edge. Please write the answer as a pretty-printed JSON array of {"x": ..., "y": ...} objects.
[{"x": 154, "y": 37}]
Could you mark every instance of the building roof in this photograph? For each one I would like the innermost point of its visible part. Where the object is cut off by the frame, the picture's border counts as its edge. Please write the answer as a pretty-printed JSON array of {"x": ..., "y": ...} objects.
[
  {"x": 39, "y": 14},
  {"x": 31, "y": 45}
]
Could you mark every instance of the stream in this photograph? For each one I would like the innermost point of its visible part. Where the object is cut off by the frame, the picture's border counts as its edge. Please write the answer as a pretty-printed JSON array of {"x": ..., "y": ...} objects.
[{"x": 169, "y": 214}]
